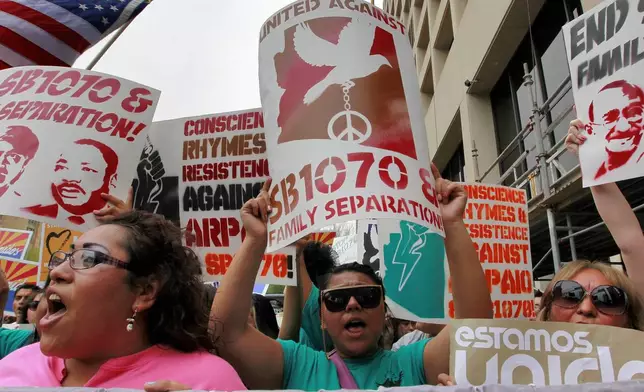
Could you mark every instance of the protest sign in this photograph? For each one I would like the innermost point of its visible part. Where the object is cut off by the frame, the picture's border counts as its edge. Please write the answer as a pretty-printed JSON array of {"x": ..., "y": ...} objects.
[
  {"x": 14, "y": 243},
  {"x": 497, "y": 220},
  {"x": 346, "y": 247},
  {"x": 413, "y": 270},
  {"x": 607, "y": 82},
  {"x": 510, "y": 352},
  {"x": 68, "y": 136},
  {"x": 17, "y": 272},
  {"x": 346, "y": 135},
  {"x": 53, "y": 239},
  {"x": 199, "y": 171},
  {"x": 368, "y": 249}
]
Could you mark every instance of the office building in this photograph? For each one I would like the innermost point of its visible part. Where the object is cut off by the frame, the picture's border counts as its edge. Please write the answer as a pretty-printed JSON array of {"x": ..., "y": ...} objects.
[{"x": 485, "y": 69}]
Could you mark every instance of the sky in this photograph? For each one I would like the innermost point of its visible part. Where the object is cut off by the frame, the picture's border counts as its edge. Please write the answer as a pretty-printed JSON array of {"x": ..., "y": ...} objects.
[{"x": 202, "y": 54}]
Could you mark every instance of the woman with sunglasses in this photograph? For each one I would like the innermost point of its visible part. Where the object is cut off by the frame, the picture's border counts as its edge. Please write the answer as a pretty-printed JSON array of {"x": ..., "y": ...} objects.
[
  {"x": 616, "y": 212},
  {"x": 352, "y": 312},
  {"x": 592, "y": 293},
  {"x": 124, "y": 307}
]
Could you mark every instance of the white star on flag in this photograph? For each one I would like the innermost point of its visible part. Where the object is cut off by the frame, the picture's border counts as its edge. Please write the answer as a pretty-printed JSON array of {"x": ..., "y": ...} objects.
[
  {"x": 98, "y": 7},
  {"x": 105, "y": 21},
  {"x": 83, "y": 7},
  {"x": 114, "y": 8}
]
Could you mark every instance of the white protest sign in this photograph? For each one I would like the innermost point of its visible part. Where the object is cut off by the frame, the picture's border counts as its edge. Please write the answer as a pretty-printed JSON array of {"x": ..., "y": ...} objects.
[
  {"x": 66, "y": 136},
  {"x": 607, "y": 74},
  {"x": 346, "y": 137},
  {"x": 210, "y": 166}
]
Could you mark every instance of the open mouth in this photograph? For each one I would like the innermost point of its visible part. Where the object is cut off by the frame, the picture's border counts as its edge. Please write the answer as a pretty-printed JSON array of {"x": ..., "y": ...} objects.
[
  {"x": 355, "y": 326},
  {"x": 55, "y": 304},
  {"x": 56, "y": 309}
]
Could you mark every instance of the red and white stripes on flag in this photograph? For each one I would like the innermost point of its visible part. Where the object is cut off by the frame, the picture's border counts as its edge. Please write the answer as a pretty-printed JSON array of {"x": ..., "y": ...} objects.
[{"x": 57, "y": 32}]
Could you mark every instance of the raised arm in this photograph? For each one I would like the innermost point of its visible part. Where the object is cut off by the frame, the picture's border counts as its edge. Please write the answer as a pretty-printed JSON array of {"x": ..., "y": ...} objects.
[
  {"x": 293, "y": 303},
  {"x": 615, "y": 211},
  {"x": 469, "y": 287},
  {"x": 257, "y": 358}
]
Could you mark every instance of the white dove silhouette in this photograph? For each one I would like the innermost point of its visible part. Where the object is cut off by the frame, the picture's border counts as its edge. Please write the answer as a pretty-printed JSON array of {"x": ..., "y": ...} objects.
[{"x": 350, "y": 58}]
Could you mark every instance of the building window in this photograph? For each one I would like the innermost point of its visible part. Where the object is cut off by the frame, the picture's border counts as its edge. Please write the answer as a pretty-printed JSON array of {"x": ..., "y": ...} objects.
[
  {"x": 455, "y": 168},
  {"x": 511, "y": 101}
]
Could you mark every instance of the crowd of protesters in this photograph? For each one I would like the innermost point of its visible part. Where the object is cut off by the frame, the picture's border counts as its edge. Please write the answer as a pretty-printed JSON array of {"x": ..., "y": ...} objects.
[{"x": 127, "y": 308}]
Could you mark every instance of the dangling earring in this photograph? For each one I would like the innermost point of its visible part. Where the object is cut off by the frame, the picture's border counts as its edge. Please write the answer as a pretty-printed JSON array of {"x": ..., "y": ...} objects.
[{"x": 130, "y": 322}]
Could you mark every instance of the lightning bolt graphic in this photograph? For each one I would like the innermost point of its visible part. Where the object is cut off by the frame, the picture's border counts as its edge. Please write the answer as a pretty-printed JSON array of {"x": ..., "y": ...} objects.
[{"x": 413, "y": 238}]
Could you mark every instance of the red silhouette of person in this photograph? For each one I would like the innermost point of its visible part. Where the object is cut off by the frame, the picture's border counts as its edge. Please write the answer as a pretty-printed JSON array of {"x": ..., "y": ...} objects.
[
  {"x": 616, "y": 113},
  {"x": 80, "y": 177},
  {"x": 18, "y": 146}
]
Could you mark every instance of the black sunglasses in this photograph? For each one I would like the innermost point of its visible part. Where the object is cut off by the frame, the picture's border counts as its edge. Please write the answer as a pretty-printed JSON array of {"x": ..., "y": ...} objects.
[
  {"x": 33, "y": 305},
  {"x": 609, "y": 300},
  {"x": 336, "y": 300},
  {"x": 84, "y": 259}
]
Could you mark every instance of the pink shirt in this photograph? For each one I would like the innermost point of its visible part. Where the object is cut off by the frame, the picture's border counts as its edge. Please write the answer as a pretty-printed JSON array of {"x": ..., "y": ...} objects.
[{"x": 199, "y": 370}]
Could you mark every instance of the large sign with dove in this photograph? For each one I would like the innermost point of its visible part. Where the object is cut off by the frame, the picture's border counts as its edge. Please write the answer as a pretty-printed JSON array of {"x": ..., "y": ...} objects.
[{"x": 345, "y": 131}]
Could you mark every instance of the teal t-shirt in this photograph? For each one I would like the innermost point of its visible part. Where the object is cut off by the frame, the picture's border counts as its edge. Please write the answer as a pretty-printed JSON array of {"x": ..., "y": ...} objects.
[
  {"x": 308, "y": 369},
  {"x": 13, "y": 339},
  {"x": 311, "y": 331}
]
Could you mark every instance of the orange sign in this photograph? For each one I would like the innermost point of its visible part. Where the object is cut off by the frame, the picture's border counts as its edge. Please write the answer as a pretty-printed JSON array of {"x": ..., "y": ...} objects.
[{"x": 54, "y": 238}]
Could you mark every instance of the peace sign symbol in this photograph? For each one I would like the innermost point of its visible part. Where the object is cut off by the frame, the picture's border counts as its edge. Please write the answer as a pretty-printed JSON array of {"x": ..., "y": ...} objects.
[{"x": 351, "y": 133}]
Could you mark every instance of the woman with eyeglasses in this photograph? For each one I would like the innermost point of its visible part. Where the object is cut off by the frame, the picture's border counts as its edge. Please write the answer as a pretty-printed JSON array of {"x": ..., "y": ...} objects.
[
  {"x": 352, "y": 312},
  {"x": 125, "y": 306}
]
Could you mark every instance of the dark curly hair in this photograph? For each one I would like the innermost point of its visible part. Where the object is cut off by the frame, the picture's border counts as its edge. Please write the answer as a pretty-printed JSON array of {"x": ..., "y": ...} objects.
[
  {"x": 179, "y": 316},
  {"x": 319, "y": 259}
]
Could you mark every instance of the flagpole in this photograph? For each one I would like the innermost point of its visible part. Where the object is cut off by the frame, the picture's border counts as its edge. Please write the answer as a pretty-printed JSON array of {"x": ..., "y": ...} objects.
[{"x": 107, "y": 46}]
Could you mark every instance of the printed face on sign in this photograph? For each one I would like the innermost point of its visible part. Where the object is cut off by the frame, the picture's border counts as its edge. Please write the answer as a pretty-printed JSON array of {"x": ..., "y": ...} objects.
[
  {"x": 79, "y": 178},
  {"x": 342, "y": 82},
  {"x": 616, "y": 115},
  {"x": 18, "y": 146}
]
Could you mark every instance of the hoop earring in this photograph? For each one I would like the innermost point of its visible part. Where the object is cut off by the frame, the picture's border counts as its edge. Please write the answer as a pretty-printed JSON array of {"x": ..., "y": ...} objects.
[{"x": 130, "y": 322}]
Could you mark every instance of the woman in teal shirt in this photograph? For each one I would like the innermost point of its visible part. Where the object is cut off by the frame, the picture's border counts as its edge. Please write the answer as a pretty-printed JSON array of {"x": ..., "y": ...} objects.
[{"x": 352, "y": 312}]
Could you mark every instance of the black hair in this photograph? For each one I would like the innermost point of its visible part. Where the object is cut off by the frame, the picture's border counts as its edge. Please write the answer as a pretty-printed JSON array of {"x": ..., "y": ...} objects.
[
  {"x": 179, "y": 316},
  {"x": 320, "y": 259},
  {"x": 265, "y": 316},
  {"x": 538, "y": 294},
  {"x": 355, "y": 267},
  {"x": 28, "y": 286}
]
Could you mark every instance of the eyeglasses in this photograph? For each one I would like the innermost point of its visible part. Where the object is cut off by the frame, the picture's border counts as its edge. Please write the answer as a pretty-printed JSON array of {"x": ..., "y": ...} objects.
[
  {"x": 609, "y": 300},
  {"x": 336, "y": 300},
  {"x": 33, "y": 305},
  {"x": 80, "y": 259}
]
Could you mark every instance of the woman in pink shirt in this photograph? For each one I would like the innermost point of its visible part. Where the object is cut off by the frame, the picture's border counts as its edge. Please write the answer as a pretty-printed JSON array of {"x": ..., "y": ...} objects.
[{"x": 125, "y": 307}]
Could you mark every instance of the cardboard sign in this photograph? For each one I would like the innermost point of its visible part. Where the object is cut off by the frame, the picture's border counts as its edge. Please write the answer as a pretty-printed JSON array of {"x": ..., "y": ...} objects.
[
  {"x": 53, "y": 239},
  {"x": 413, "y": 270},
  {"x": 326, "y": 238},
  {"x": 66, "y": 137},
  {"x": 346, "y": 135},
  {"x": 607, "y": 74},
  {"x": 14, "y": 243},
  {"x": 199, "y": 171},
  {"x": 510, "y": 352}
]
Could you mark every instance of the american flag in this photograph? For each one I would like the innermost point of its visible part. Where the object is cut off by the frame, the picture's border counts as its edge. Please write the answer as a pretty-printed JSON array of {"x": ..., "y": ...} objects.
[{"x": 56, "y": 32}]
